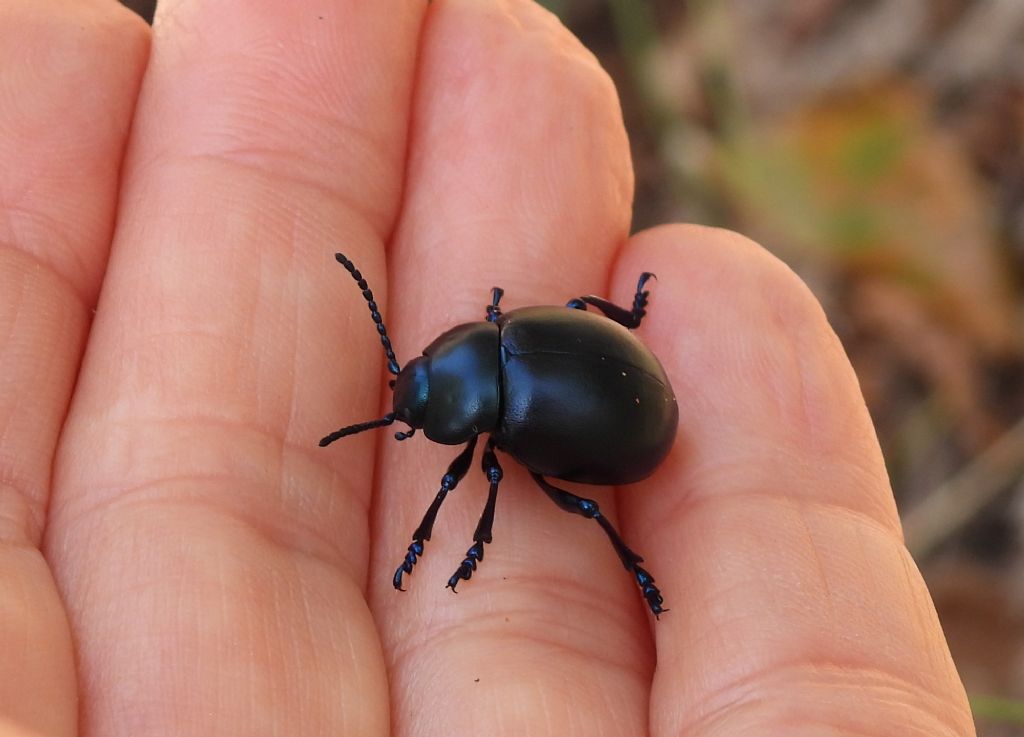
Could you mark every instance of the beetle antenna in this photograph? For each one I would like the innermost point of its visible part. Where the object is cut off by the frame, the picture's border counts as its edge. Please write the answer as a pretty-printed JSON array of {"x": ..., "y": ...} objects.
[
  {"x": 353, "y": 429},
  {"x": 374, "y": 313}
]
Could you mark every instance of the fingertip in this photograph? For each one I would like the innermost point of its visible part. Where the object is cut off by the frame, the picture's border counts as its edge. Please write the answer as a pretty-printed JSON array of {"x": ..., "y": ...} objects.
[{"x": 557, "y": 187}]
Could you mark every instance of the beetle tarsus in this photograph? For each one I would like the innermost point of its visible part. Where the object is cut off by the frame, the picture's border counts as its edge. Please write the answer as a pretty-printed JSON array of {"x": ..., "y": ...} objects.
[
  {"x": 640, "y": 298},
  {"x": 493, "y": 311},
  {"x": 629, "y": 318},
  {"x": 456, "y": 471},
  {"x": 405, "y": 434},
  {"x": 651, "y": 593},
  {"x": 475, "y": 554},
  {"x": 411, "y": 556},
  {"x": 631, "y": 561},
  {"x": 465, "y": 570}
]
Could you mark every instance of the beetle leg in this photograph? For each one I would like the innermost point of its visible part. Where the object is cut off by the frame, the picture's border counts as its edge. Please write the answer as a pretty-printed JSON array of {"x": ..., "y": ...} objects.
[
  {"x": 630, "y": 318},
  {"x": 475, "y": 554},
  {"x": 405, "y": 434},
  {"x": 493, "y": 311},
  {"x": 456, "y": 471},
  {"x": 588, "y": 508}
]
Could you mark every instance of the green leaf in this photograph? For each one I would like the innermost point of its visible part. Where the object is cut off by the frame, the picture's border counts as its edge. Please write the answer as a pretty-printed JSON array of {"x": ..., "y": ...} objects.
[{"x": 998, "y": 709}]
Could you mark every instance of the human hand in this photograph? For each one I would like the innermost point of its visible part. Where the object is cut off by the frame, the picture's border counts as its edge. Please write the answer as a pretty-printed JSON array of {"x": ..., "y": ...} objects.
[{"x": 223, "y": 574}]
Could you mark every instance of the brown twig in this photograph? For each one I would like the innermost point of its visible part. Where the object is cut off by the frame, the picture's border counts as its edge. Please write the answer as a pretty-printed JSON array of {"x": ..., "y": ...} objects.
[{"x": 959, "y": 499}]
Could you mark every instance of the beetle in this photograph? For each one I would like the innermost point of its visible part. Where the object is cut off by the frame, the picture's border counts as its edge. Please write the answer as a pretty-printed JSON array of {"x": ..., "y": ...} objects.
[{"x": 567, "y": 393}]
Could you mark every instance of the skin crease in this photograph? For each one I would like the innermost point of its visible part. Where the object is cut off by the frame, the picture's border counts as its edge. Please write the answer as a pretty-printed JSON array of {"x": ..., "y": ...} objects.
[{"x": 219, "y": 573}]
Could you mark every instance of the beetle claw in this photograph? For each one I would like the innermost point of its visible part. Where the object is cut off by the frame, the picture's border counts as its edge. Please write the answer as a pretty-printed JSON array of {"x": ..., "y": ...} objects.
[
  {"x": 466, "y": 568},
  {"x": 406, "y": 434},
  {"x": 651, "y": 593}
]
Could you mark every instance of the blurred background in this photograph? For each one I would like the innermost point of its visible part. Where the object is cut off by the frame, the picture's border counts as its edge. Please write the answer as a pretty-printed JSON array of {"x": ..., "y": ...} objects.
[{"x": 877, "y": 146}]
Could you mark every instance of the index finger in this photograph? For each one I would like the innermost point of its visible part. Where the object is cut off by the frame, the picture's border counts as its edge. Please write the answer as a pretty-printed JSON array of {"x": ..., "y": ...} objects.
[{"x": 796, "y": 608}]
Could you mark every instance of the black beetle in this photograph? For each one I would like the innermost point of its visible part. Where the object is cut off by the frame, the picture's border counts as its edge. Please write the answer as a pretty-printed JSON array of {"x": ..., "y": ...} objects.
[{"x": 567, "y": 393}]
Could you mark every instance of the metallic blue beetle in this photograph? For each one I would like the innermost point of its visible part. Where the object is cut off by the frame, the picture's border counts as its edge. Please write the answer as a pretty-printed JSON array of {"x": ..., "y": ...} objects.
[{"x": 567, "y": 393}]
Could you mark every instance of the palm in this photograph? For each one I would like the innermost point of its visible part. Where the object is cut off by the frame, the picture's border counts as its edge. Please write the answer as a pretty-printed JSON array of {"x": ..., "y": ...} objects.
[{"x": 222, "y": 574}]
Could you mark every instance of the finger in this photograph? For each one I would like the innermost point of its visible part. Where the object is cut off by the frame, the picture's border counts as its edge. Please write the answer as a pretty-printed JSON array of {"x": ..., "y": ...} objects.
[
  {"x": 211, "y": 555},
  {"x": 772, "y": 529},
  {"x": 519, "y": 176},
  {"x": 59, "y": 153}
]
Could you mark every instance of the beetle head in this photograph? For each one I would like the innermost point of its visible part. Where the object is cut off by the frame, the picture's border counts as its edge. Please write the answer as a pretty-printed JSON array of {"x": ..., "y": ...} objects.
[
  {"x": 411, "y": 390},
  {"x": 460, "y": 369}
]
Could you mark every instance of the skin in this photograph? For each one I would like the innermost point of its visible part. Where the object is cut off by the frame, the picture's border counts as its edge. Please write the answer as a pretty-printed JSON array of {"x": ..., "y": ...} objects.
[{"x": 177, "y": 554}]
